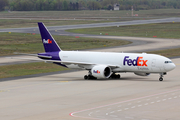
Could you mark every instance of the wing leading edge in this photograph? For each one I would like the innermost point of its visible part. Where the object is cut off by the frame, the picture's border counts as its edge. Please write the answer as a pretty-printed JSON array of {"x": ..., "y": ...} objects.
[{"x": 63, "y": 62}]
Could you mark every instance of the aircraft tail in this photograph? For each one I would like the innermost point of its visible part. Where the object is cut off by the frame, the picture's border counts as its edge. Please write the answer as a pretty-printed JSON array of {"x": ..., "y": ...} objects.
[{"x": 48, "y": 41}]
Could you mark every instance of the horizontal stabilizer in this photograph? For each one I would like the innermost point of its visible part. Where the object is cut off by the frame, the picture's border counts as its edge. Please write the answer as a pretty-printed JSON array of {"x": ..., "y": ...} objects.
[{"x": 41, "y": 56}]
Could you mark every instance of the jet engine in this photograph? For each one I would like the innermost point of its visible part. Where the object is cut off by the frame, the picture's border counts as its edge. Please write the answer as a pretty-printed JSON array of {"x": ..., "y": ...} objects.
[
  {"x": 141, "y": 74},
  {"x": 101, "y": 71}
]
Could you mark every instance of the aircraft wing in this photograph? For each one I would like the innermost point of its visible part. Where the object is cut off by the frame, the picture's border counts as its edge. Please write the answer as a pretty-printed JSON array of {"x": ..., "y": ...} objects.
[
  {"x": 65, "y": 62},
  {"x": 79, "y": 63}
]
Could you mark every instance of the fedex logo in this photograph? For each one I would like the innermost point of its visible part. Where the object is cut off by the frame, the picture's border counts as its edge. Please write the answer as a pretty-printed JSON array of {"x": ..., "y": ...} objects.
[
  {"x": 48, "y": 41},
  {"x": 96, "y": 71},
  {"x": 135, "y": 62}
]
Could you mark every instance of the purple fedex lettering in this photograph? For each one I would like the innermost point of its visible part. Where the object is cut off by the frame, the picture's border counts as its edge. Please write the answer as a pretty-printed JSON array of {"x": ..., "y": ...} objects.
[
  {"x": 134, "y": 62},
  {"x": 130, "y": 62},
  {"x": 126, "y": 60}
]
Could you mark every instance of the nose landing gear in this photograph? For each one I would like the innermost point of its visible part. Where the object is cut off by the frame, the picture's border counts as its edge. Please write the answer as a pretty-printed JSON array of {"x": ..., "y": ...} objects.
[{"x": 161, "y": 76}]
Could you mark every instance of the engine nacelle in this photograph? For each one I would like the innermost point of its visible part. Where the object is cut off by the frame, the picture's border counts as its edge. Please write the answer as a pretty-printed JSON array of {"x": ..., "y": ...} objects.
[
  {"x": 141, "y": 74},
  {"x": 101, "y": 71}
]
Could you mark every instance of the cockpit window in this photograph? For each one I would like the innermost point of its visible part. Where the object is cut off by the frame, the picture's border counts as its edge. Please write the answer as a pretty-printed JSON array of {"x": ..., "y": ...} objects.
[{"x": 168, "y": 62}]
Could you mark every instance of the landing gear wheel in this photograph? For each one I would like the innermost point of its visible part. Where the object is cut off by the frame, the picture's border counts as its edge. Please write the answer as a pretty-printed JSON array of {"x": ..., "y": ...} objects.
[
  {"x": 85, "y": 77},
  {"x": 118, "y": 76},
  {"x": 161, "y": 76},
  {"x": 115, "y": 76},
  {"x": 89, "y": 77},
  {"x": 160, "y": 79}
]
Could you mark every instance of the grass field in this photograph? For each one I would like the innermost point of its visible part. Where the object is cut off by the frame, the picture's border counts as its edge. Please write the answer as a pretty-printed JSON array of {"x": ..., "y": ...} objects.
[
  {"x": 28, "y": 69},
  {"x": 17, "y": 19},
  {"x": 160, "y": 30},
  {"x": 89, "y": 14},
  {"x": 168, "y": 52},
  {"x": 27, "y": 43}
]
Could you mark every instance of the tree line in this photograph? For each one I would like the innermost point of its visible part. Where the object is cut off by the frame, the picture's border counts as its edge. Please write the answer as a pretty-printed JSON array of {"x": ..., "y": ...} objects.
[{"x": 59, "y": 5}]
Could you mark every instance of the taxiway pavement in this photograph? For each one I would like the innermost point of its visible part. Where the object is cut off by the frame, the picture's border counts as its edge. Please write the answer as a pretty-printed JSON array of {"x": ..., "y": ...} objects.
[{"x": 68, "y": 96}]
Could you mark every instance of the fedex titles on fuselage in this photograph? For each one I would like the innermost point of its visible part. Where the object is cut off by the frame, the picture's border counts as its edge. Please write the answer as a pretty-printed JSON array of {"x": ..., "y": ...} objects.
[{"x": 134, "y": 62}]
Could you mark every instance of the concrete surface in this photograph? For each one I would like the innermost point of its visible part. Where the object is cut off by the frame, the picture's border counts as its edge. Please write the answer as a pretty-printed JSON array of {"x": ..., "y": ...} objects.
[{"x": 54, "y": 97}]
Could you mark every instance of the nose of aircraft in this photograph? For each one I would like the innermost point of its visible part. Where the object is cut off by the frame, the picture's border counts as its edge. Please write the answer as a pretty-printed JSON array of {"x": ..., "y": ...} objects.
[{"x": 171, "y": 66}]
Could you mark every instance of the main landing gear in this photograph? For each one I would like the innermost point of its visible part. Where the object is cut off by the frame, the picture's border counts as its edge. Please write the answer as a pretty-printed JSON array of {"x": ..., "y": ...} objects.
[
  {"x": 89, "y": 77},
  {"x": 115, "y": 76}
]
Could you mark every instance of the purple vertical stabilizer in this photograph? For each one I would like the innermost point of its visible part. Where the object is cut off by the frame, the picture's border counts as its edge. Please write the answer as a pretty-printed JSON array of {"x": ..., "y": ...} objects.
[{"x": 48, "y": 41}]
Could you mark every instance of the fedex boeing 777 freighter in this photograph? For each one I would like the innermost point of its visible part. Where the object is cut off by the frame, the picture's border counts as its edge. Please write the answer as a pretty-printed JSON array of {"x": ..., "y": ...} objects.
[{"x": 103, "y": 64}]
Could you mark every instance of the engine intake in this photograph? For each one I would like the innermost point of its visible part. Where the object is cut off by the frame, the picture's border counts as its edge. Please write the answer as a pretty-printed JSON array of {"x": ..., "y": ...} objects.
[{"x": 101, "y": 71}]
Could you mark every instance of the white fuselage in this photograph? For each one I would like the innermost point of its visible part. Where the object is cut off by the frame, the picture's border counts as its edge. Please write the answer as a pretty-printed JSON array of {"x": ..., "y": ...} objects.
[{"x": 126, "y": 62}]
